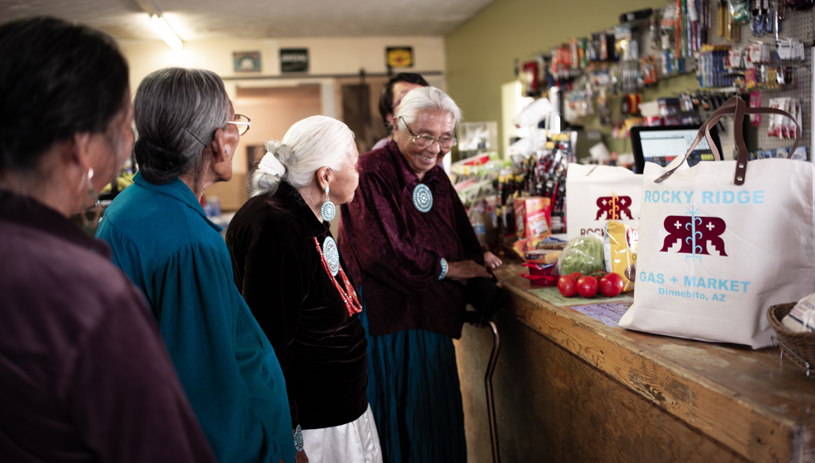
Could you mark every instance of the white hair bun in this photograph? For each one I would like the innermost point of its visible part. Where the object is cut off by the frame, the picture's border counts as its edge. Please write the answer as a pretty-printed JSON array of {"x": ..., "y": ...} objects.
[{"x": 270, "y": 165}]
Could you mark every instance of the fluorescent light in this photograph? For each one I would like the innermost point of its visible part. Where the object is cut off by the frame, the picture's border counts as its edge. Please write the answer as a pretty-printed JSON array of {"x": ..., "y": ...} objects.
[{"x": 163, "y": 30}]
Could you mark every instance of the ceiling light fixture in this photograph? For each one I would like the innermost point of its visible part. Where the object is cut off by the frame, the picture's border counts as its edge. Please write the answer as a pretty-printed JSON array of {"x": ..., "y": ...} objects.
[{"x": 163, "y": 29}]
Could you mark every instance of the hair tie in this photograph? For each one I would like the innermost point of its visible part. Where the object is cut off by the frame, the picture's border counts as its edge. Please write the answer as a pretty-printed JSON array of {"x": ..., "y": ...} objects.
[{"x": 270, "y": 165}]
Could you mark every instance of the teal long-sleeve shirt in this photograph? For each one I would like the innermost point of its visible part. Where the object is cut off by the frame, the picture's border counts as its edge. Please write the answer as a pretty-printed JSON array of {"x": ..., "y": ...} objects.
[{"x": 161, "y": 238}]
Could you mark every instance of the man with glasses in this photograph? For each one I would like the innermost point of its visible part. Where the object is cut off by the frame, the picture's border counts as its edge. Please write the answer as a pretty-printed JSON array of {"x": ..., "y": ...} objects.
[{"x": 407, "y": 240}]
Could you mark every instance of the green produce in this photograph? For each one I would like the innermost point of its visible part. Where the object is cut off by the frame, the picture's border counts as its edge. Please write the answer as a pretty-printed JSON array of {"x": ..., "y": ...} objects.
[{"x": 584, "y": 254}]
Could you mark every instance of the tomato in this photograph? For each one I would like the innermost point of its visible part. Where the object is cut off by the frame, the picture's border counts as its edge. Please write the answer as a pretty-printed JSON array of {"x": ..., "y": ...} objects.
[
  {"x": 598, "y": 275},
  {"x": 611, "y": 285},
  {"x": 587, "y": 286},
  {"x": 576, "y": 275},
  {"x": 567, "y": 286}
]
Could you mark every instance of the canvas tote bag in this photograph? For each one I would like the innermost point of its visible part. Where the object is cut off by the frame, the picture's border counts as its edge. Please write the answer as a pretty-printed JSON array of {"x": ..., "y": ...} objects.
[
  {"x": 597, "y": 194},
  {"x": 722, "y": 241}
]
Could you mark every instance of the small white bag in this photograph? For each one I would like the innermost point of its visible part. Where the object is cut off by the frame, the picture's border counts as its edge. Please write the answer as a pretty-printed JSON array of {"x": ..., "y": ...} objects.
[
  {"x": 597, "y": 194},
  {"x": 717, "y": 249}
]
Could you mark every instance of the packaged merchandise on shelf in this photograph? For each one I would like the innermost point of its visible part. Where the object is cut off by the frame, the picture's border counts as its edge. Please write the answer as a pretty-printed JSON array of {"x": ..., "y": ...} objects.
[
  {"x": 739, "y": 10},
  {"x": 800, "y": 154},
  {"x": 532, "y": 218},
  {"x": 758, "y": 52},
  {"x": 712, "y": 71},
  {"x": 790, "y": 49},
  {"x": 781, "y": 126}
]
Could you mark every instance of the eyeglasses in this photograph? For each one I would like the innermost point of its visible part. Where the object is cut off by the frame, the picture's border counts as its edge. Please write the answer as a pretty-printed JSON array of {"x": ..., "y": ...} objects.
[
  {"x": 242, "y": 122},
  {"x": 425, "y": 141}
]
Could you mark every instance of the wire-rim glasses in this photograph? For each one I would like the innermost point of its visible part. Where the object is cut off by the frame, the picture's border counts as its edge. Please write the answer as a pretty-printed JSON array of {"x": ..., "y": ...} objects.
[
  {"x": 242, "y": 122},
  {"x": 425, "y": 141}
]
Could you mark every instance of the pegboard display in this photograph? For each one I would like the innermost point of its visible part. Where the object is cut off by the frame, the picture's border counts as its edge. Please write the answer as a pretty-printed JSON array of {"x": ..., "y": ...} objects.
[{"x": 799, "y": 25}]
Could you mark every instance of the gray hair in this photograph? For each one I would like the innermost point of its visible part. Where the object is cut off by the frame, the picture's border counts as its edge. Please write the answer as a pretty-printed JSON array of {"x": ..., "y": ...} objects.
[
  {"x": 177, "y": 111},
  {"x": 425, "y": 99},
  {"x": 312, "y": 143}
]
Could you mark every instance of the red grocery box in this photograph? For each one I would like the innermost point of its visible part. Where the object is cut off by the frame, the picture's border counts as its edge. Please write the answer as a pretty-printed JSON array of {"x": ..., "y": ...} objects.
[{"x": 532, "y": 218}]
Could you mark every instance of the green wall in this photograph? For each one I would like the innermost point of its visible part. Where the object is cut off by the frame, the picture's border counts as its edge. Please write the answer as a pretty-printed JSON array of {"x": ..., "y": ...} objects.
[{"x": 480, "y": 54}]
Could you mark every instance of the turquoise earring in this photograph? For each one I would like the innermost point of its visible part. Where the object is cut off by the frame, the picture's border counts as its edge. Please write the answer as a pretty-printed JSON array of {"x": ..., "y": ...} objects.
[{"x": 328, "y": 210}]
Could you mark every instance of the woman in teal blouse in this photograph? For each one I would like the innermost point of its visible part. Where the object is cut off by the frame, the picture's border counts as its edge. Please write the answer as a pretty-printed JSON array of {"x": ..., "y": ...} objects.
[{"x": 160, "y": 236}]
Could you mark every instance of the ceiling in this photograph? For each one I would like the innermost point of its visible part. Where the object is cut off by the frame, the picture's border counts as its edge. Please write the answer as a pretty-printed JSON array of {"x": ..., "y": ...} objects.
[{"x": 256, "y": 19}]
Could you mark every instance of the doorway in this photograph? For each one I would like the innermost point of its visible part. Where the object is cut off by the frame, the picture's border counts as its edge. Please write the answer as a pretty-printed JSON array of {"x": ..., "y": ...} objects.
[{"x": 273, "y": 110}]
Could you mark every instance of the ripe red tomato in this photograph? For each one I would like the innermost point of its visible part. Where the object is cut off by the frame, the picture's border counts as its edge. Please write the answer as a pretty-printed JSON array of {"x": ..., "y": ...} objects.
[
  {"x": 576, "y": 275},
  {"x": 611, "y": 285},
  {"x": 587, "y": 286},
  {"x": 567, "y": 286}
]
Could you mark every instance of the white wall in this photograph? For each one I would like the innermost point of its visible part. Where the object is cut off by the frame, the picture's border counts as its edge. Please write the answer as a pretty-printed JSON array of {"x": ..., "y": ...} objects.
[{"x": 327, "y": 56}]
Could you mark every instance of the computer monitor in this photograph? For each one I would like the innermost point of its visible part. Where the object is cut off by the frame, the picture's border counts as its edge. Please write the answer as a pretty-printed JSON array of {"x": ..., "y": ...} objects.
[{"x": 663, "y": 144}]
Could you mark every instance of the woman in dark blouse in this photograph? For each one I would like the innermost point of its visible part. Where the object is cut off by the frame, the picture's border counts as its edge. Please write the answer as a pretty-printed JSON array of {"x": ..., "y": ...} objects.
[
  {"x": 287, "y": 267},
  {"x": 407, "y": 240},
  {"x": 84, "y": 374}
]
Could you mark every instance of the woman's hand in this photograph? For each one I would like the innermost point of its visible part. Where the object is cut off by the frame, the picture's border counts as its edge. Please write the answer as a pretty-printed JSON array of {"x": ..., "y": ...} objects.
[
  {"x": 465, "y": 270},
  {"x": 491, "y": 261},
  {"x": 300, "y": 457}
]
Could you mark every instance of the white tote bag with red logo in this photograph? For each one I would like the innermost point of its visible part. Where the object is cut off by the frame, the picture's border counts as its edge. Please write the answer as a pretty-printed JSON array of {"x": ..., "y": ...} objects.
[
  {"x": 721, "y": 242},
  {"x": 597, "y": 194}
]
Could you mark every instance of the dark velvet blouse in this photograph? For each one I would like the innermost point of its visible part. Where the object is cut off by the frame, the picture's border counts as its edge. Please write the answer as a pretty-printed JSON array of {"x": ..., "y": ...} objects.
[
  {"x": 278, "y": 269},
  {"x": 84, "y": 373},
  {"x": 394, "y": 250}
]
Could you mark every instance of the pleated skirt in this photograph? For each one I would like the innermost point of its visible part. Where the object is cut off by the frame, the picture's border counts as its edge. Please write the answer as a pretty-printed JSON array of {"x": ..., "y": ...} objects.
[
  {"x": 355, "y": 442},
  {"x": 415, "y": 396}
]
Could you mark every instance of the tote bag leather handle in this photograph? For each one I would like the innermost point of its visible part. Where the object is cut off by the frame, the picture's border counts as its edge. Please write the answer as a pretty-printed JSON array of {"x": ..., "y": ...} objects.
[{"x": 743, "y": 155}]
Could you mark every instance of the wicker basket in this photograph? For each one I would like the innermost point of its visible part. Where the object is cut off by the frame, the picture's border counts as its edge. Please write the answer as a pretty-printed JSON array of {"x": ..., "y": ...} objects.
[{"x": 800, "y": 347}]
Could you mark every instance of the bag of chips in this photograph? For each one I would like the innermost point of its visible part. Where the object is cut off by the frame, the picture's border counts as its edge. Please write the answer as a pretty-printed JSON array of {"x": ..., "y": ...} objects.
[{"x": 620, "y": 246}]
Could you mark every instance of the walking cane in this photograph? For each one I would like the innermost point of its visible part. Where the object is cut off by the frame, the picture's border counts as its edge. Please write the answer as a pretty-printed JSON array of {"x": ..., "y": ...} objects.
[
  {"x": 496, "y": 348},
  {"x": 487, "y": 298}
]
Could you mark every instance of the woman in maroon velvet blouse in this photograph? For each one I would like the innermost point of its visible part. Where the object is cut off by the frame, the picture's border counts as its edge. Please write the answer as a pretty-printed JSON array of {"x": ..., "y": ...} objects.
[{"x": 407, "y": 240}]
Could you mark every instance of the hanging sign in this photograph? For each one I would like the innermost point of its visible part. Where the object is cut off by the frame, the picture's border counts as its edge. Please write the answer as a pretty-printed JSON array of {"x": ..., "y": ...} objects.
[
  {"x": 399, "y": 57},
  {"x": 294, "y": 60},
  {"x": 246, "y": 61}
]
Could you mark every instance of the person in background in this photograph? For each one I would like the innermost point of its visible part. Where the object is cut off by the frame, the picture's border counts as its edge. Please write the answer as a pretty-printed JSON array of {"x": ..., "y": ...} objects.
[
  {"x": 392, "y": 93},
  {"x": 84, "y": 374},
  {"x": 287, "y": 267},
  {"x": 160, "y": 236},
  {"x": 408, "y": 242}
]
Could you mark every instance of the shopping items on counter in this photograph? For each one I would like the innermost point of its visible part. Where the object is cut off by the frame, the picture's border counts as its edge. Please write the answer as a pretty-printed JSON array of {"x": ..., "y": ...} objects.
[
  {"x": 722, "y": 241},
  {"x": 801, "y": 318},
  {"x": 620, "y": 251},
  {"x": 797, "y": 347},
  {"x": 541, "y": 274},
  {"x": 584, "y": 255},
  {"x": 597, "y": 194}
]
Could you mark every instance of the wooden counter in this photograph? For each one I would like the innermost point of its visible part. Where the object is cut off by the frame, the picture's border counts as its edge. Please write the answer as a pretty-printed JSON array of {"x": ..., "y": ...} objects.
[{"x": 568, "y": 388}]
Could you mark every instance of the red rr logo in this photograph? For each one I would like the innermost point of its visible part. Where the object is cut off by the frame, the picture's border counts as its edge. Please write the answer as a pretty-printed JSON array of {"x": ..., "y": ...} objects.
[
  {"x": 614, "y": 207},
  {"x": 695, "y": 233}
]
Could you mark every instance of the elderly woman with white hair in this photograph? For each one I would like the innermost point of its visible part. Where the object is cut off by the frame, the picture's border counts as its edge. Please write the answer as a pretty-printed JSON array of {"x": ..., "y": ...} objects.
[
  {"x": 287, "y": 266},
  {"x": 410, "y": 245},
  {"x": 161, "y": 238}
]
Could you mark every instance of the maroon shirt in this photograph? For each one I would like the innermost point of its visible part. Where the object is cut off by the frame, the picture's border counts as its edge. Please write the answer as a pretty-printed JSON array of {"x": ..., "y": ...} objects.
[
  {"x": 84, "y": 375},
  {"x": 394, "y": 249}
]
